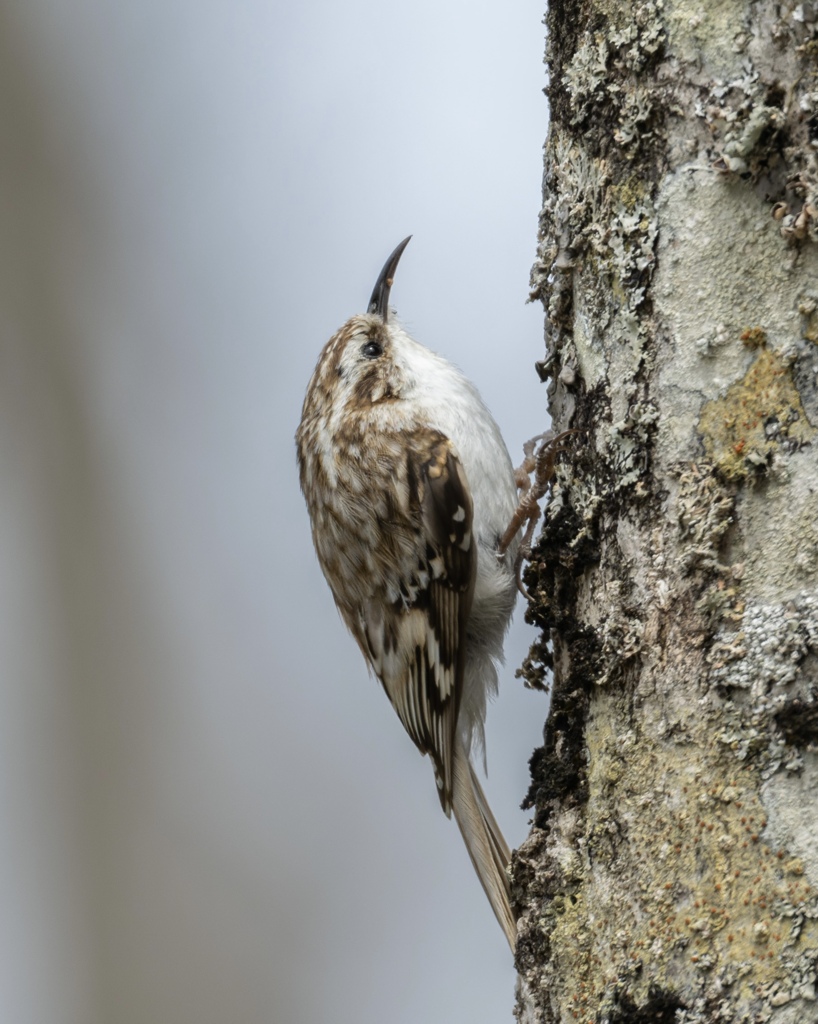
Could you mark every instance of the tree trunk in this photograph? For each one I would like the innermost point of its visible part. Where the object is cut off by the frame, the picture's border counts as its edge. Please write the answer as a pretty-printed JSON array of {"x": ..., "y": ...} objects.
[{"x": 671, "y": 873}]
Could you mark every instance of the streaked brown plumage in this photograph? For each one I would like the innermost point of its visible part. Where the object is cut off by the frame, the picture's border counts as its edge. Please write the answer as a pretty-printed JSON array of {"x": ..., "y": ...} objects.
[{"x": 409, "y": 488}]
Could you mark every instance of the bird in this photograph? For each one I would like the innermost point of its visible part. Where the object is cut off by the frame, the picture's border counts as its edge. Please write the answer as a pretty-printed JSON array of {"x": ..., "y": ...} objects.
[{"x": 410, "y": 489}]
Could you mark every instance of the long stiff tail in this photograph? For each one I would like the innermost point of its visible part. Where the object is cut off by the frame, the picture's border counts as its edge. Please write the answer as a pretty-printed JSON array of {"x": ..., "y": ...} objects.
[{"x": 487, "y": 848}]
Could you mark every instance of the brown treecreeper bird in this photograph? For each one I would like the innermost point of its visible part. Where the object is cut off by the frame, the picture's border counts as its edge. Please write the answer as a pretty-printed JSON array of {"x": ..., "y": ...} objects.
[{"x": 410, "y": 491}]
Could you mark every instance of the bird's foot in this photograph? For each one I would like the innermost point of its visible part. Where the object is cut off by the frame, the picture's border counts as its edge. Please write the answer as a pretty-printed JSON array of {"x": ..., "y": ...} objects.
[{"x": 540, "y": 456}]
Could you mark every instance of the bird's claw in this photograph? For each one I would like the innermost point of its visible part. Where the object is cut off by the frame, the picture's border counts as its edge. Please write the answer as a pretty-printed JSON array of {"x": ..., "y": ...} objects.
[{"x": 541, "y": 462}]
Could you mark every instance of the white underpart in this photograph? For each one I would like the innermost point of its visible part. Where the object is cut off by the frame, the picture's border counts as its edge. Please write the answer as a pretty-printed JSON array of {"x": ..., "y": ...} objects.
[{"x": 451, "y": 404}]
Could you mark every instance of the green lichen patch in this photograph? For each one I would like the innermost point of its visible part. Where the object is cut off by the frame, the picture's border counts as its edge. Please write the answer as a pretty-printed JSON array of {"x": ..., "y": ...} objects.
[
  {"x": 721, "y": 904},
  {"x": 602, "y": 78},
  {"x": 705, "y": 511},
  {"x": 758, "y": 415},
  {"x": 601, "y": 59},
  {"x": 759, "y": 114},
  {"x": 691, "y": 887}
]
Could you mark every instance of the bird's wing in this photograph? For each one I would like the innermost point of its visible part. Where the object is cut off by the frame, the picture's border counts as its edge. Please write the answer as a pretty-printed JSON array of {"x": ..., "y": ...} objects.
[{"x": 415, "y": 641}]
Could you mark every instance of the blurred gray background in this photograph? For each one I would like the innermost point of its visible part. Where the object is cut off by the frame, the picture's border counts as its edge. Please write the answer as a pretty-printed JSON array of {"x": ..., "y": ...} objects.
[{"x": 208, "y": 812}]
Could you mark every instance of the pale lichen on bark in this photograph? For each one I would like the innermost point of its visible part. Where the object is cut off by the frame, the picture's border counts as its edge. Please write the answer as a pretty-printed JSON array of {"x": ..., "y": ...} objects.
[{"x": 672, "y": 870}]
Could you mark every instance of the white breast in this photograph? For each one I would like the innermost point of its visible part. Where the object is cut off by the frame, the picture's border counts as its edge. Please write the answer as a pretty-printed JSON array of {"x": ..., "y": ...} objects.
[
  {"x": 450, "y": 403},
  {"x": 453, "y": 405}
]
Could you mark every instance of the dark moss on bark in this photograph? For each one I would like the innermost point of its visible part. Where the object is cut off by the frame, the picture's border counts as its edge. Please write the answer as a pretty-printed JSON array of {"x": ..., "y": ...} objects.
[
  {"x": 561, "y": 556},
  {"x": 798, "y": 720},
  {"x": 660, "y": 1008},
  {"x": 558, "y": 767},
  {"x": 564, "y": 23},
  {"x": 568, "y": 547}
]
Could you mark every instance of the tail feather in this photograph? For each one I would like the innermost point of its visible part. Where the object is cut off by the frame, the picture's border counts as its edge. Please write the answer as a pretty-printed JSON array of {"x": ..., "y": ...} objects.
[
  {"x": 487, "y": 848},
  {"x": 502, "y": 853}
]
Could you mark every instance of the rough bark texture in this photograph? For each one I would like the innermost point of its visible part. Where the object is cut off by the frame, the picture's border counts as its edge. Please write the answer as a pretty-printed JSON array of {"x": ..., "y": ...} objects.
[{"x": 672, "y": 870}]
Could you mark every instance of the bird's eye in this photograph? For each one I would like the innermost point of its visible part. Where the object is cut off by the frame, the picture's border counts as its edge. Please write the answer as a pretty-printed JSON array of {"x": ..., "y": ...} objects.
[{"x": 372, "y": 349}]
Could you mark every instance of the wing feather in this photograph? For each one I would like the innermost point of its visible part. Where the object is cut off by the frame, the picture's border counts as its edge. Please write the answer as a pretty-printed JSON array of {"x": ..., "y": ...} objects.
[{"x": 416, "y": 643}]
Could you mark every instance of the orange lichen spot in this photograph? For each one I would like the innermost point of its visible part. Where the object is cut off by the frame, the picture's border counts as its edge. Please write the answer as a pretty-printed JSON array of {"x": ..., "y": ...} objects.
[{"x": 754, "y": 337}]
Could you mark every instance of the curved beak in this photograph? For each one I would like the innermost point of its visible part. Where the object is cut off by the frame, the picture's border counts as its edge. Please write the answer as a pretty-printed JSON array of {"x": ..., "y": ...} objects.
[{"x": 379, "y": 303}]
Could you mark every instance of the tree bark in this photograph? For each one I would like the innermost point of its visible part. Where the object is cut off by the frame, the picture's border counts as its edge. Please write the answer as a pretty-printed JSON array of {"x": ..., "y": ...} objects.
[{"x": 671, "y": 873}]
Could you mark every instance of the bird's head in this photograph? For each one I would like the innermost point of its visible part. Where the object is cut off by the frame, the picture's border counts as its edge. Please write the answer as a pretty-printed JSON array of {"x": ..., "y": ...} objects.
[{"x": 364, "y": 363}]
